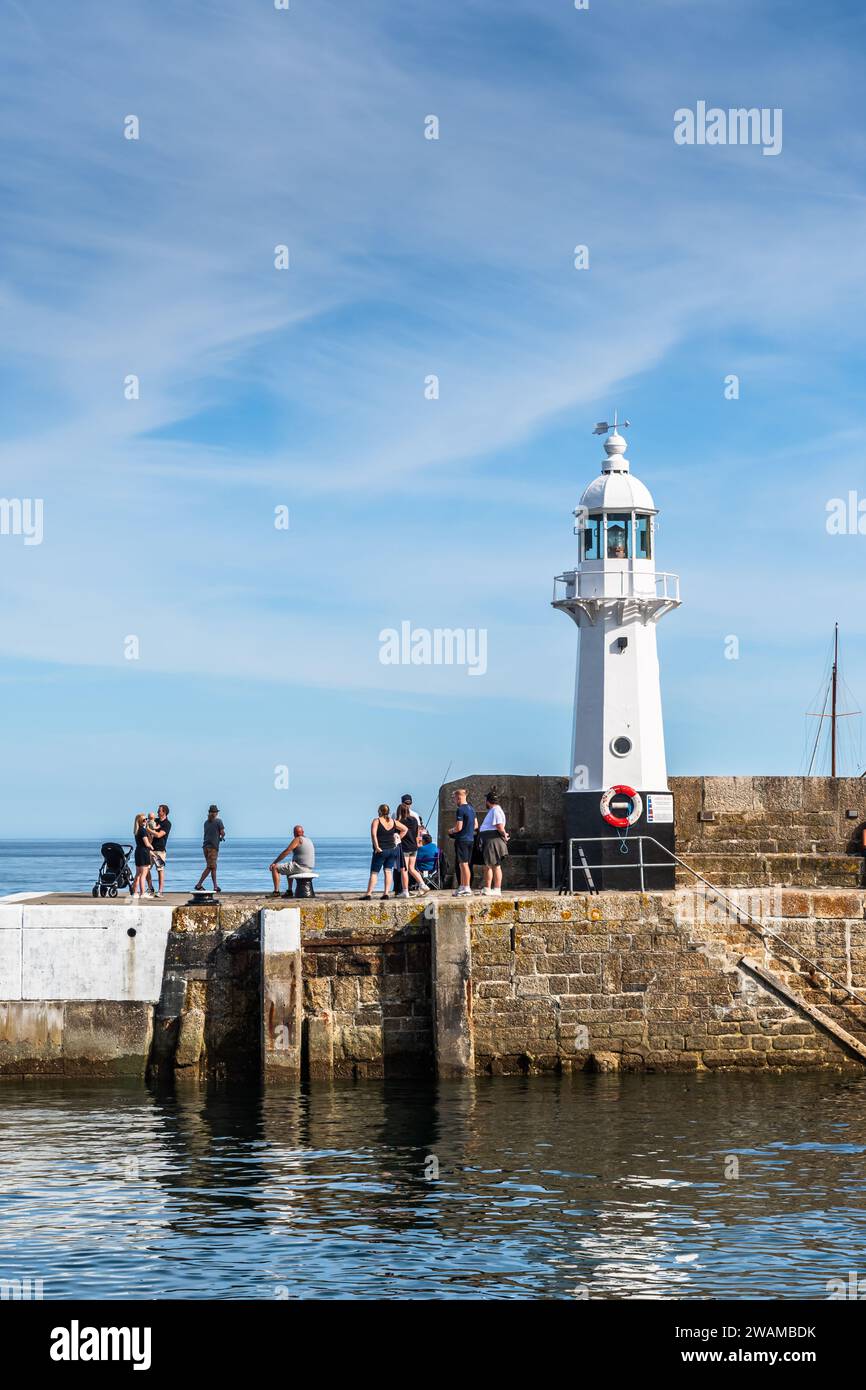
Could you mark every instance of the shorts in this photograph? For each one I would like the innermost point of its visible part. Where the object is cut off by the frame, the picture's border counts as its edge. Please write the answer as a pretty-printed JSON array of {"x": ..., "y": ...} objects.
[
  {"x": 210, "y": 855},
  {"x": 494, "y": 848},
  {"x": 384, "y": 859},
  {"x": 463, "y": 849},
  {"x": 286, "y": 867},
  {"x": 142, "y": 859},
  {"x": 157, "y": 858}
]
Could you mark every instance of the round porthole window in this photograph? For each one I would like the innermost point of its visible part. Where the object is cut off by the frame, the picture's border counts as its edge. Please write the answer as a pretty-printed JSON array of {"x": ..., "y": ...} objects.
[{"x": 620, "y": 746}]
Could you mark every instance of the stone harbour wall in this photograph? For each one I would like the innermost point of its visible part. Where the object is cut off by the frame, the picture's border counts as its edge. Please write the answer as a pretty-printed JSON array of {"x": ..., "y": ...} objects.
[
  {"x": 736, "y": 831},
  {"x": 366, "y": 988},
  {"x": 261, "y": 990},
  {"x": 654, "y": 982}
]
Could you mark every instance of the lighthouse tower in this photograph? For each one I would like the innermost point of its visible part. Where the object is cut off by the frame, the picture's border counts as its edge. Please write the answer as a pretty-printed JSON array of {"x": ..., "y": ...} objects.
[{"x": 619, "y": 810}]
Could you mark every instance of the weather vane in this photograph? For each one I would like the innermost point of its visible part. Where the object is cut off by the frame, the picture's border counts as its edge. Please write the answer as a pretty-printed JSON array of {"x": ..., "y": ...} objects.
[{"x": 603, "y": 427}]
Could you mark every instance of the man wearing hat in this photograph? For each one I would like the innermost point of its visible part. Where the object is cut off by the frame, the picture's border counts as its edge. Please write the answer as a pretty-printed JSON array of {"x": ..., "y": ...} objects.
[
  {"x": 214, "y": 834},
  {"x": 406, "y": 800}
]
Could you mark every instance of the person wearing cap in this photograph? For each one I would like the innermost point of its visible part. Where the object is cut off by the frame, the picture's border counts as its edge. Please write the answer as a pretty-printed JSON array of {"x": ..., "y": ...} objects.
[
  {"x": 214, "y": 834},
  {"x": 406, "y": 806}
]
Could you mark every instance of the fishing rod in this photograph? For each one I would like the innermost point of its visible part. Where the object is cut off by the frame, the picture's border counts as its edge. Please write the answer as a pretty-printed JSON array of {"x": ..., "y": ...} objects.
[{"x": 436, "y": 797}]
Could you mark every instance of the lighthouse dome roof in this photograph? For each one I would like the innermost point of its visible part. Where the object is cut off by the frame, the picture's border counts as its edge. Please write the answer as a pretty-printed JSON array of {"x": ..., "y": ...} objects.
[{"x": 617, "y": 492}]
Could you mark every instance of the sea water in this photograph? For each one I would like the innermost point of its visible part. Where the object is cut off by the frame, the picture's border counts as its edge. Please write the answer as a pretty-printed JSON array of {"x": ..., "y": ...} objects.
[
  {"x": 71, "y": 866},
  {"x": 573, "y": 1187}
]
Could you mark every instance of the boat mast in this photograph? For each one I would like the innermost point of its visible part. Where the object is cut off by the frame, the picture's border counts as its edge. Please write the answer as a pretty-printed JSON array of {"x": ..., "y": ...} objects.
[{"x": 831, "y": 694}]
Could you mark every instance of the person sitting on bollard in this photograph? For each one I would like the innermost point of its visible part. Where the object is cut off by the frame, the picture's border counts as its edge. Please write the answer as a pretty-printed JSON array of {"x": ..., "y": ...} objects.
[{"x": 302, "y": 861}]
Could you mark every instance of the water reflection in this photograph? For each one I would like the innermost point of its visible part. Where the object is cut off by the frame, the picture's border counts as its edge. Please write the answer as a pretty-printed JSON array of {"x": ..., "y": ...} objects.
[{"x": 573, "y": 1187}]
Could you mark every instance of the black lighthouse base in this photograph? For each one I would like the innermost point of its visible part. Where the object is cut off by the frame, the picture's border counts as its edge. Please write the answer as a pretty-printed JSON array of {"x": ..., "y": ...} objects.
[{"x": 633, "y": 859}]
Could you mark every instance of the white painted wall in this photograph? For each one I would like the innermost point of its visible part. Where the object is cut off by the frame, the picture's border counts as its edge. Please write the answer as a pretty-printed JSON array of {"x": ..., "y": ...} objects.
[
  {"x": 82, "y": 951},
  {"x": 618, "y": 693},
  {"x": 281, "y": 930}
]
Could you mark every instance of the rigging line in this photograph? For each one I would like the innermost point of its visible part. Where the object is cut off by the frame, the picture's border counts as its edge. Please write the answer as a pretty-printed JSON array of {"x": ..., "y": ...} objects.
[
  {"x": 849, "y": 692},
  {"x": 818, "y": 734},
  {"x": 825, "y": 678},
  {"x": 436, "y": 798}
]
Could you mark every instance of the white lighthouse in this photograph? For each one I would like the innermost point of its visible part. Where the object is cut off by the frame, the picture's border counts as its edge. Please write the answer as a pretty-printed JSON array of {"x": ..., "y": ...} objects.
[{"x": 617, "y": 596}]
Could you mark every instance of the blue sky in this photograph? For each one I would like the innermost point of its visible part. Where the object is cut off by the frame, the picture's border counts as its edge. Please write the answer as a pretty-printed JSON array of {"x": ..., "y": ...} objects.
[{"x": 305, "y": 388}]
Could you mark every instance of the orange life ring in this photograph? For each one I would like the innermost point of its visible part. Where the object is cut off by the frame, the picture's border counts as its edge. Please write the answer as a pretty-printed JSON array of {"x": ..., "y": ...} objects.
[{"x": 622, "y": 822}]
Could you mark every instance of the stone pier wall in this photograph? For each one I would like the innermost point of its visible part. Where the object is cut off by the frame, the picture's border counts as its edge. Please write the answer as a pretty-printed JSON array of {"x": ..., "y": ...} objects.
[
  {"x": 520, "y": 984},
  {"x": 654, "y": 982},
  {"x": 741, "y": 831},
  {"x": 367, "y": 988}
]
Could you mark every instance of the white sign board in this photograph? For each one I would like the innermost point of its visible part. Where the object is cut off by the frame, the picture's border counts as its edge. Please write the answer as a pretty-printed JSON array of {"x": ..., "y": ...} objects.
[{"x": 660, "y": 808}]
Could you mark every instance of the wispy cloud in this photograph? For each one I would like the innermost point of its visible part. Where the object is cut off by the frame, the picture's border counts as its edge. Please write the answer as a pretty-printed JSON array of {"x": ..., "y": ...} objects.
[{"x": 409, "y": 258}]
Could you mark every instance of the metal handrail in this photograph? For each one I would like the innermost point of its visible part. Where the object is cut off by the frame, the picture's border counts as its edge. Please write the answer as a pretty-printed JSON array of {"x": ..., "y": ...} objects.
[{"x": 758, "y": 928}]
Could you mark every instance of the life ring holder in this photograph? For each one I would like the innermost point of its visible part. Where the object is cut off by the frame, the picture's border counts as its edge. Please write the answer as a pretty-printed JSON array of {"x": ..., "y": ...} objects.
[{"x": 634, "y": 815}]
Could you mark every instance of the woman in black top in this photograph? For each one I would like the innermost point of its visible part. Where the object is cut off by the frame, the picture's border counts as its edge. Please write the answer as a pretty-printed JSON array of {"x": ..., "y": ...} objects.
[
  {"x": 407, "y": 851},
  {"x": 143, "y": 846},
  {"x": 385, "y": 835}
]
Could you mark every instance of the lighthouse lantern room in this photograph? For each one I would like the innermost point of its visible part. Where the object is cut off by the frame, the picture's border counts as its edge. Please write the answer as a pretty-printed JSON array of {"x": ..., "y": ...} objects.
[{"x": 619, "y": 814}]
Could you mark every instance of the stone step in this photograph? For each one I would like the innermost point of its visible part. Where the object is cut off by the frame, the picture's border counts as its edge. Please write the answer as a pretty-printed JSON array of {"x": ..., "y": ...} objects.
[
  {"x": 720, "y": 845},
  {"x": 821, "y": 1016},
  {"x": 777, "y": 870},
  {"x": 820, "y": 993}
]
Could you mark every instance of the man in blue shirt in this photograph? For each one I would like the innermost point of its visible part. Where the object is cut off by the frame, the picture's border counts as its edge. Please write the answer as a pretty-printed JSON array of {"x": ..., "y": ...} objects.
[{"x": 462, "y": 833}]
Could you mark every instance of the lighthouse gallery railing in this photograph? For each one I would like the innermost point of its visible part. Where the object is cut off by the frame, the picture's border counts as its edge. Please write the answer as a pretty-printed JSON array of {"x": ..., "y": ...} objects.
[{"x": 614, "y": 584}]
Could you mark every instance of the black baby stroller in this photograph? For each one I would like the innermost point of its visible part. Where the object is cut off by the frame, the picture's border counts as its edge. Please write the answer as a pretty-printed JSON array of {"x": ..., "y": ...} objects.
[{"x": 115, "y": 872}]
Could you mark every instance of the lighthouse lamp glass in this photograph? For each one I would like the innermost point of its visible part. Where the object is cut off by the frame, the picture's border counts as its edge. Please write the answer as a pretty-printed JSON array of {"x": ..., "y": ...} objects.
[
  {"x": 617, "y": 537},
  {"x": 642, "y": 538}
]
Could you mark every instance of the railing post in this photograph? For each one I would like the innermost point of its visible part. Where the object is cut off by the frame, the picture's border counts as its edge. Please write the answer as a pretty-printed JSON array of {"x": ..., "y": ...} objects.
[{"x": 640, "y": 857}]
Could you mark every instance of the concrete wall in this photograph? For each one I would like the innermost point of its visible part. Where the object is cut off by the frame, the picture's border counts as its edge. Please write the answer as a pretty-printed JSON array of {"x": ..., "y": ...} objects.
[
  {"x": 92, "y": 951},
  {"x": 102, "y": 988},
  {"x": 78, "y": 986},
  {"x": 282, "y": 997}
]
